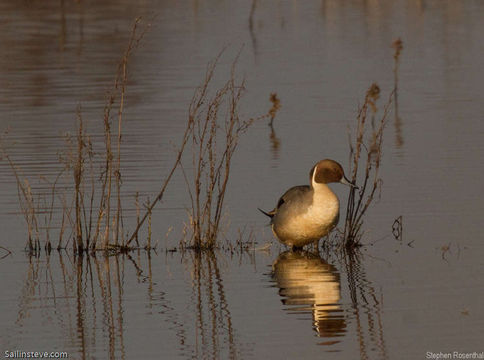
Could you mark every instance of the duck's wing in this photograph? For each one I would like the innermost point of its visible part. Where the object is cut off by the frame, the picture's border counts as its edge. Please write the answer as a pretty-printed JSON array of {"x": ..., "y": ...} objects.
[{"x": 295, "y": 191}]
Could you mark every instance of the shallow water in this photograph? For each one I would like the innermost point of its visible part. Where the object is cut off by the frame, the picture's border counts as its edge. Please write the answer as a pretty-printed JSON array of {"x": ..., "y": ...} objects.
[{"x": 395, "y": 300}]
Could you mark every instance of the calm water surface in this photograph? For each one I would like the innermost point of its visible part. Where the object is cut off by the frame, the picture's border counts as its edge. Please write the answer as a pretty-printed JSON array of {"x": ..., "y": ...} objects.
[{"x": 395, "y": 300}]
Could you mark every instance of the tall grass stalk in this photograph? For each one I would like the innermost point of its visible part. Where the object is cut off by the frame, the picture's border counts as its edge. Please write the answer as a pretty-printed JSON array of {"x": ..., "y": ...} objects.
[
  {"x": 26, "y": 202},
  {"x": 365, "y": 161},
  {"x": 92, "y": 210},
  {"x": 93, "y": 220},
  {"x": 215, "y": 128},
  {"x": 366, "y": 153},
  {"x": 398, "y": 47}
]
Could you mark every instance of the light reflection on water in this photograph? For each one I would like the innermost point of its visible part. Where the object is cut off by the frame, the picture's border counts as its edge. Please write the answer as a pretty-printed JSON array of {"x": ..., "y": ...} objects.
[
  {"x": 308, "y": 284},
  {"x": 93, "y": 306},
  {"x": 319, "y": 57}
]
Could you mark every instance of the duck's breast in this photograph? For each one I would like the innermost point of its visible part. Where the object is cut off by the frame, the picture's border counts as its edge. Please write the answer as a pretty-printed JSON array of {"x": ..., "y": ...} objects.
[{"x": 301, "y": 221}]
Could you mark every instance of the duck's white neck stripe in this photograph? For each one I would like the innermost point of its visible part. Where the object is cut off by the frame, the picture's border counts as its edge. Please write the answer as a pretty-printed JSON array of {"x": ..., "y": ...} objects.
[{"x": 313, "y": 180}]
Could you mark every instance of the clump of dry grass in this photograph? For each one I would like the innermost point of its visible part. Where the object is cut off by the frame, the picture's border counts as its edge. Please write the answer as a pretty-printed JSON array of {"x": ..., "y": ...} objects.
[
  {"x": 211, "y": 167},
  {"x": 95, "y": 221},
  {"x": 365, "y": 161},
  {"x": 27, "y": 202},
  {"x": 91, "y": 205},
  {"x": 215, "y": 130},
  {"x": 366, "y": 154},
  {"x": 36, "y": 207},
  {"x": 100, "y": 226}
]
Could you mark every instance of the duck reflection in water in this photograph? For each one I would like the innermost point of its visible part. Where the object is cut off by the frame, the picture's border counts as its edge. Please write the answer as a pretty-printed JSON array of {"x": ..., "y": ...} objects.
[{"x": 308, "y": 283}]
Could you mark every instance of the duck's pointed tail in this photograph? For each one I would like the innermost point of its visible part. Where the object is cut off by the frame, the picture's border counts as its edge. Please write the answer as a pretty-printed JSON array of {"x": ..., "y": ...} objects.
[{"x": 269, "y": 214}]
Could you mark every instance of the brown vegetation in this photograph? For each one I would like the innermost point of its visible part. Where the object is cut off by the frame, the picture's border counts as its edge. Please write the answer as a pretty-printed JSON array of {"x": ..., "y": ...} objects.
[
  {"x": 366, "y": 153},
  {"x": 93, "y": 210},
  {"x": 215, "y": 128},
  {"x": 96, "y": 222},
  {"x": 91, "y": 201}
]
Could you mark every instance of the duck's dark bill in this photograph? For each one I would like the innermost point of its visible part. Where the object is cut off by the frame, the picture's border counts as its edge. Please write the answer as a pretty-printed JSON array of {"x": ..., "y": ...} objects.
[{"x": 345, "y": 181}]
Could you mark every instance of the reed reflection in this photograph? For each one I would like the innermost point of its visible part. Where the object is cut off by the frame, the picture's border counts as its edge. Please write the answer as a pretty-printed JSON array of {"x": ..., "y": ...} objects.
[
  {"x": 253, "y": 37},
  {"x": 81, "y": 303},
  {"x": 274, "y": 140},
  {"x": 308, "y": 283},
  {"x": 68, "y": 293},
  {"x": 215, "y": 337},
  {"x": 275, "y": 143},
  {"x": 366, "y": 304}
]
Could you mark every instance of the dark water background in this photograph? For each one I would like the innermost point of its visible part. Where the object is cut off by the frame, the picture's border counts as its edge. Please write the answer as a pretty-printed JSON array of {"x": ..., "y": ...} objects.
[{"x": 392, "y": 301}]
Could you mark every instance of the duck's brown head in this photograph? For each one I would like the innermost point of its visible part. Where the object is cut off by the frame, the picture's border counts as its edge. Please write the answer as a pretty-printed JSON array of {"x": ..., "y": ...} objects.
[{"x": 328, "y": 171}]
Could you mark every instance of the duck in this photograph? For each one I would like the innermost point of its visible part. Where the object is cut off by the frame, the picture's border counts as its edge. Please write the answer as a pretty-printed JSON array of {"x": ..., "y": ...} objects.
[{"x": 306, "y": 213}]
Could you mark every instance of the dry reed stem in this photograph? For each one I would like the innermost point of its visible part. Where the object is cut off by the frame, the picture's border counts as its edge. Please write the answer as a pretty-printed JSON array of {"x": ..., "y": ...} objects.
[
  {"x": 149, "y": 223},
  {"x": 77, "y": 181},
  {"x": 52, "y": 201},
  {"x": 214, "y": 144},
  {"x": 32, "y": 214},
  {"x": 137, "y": 216},
  {"x": 357, "y": 202},
  {"x": 109, "y": 173},
  {"x": 25, "y": 199},
  {"x": 105, "y": 223},
  {"x": 215, "y": 128},
  {"x": 90, "y": 154},
  {"x": 110, "y": 169},
  {"x": 398, "y": 47},
  {"x": 209, "y": 184},
  {"x": 66, "y": 213},
  {"x": 163, "y": 187},
  {"x": 121, "y": 84},
  {"x": 61, "y": 231}
]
